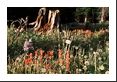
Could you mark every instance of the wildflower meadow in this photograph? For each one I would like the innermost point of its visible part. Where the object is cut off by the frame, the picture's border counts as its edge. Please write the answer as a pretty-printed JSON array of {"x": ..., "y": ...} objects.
[{"x": 83, "y": 52}]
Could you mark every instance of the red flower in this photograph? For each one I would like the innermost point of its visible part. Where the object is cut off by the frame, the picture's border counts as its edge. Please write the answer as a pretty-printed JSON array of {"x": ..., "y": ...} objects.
[
  {"x": 50, "y": 54},
  {"x": 26, "y": 61},
  {"x": 60, "y": 57},
  {"x": 59, "y": 53},
  {"x": 41, "y": 54},
  {"x": 36, "y": 53},
  {"x": 41, "y": 51},
  {"x": 47, "y": 66},
  {"x": 67, "y": 67},
  {"x": 35, "y": 61},
  {"x": 67, "y": 61},
  {"x": 67, "y": 55},
  {"x": 88, "y": 33},
  {"x": 30, "y": 60},
  {"x": 40, "y": 58},
  {"x": 56, "y": 62},
  {"x": 30, "y": 55}
]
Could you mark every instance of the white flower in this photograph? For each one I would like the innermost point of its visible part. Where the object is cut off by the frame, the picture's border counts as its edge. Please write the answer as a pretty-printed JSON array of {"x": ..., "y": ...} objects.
[
  {"x": 68, "y": 42},
  {"x": 73, "y": 46},
  {"x": 76, "y": 47},
  {"x": 85, "y": 68},
  {"x": 86, "y": 63},
  {"x": 82, "y": 55},
  {"x": 8, "y": 66},
  {"x": 20, "y": 65},
  {"x": 63, "y": 67},
  {"x": 99, "y": 50},
  {"x": 43, "y": 70},
  {"x": 99, "y": 58},
  {"x": 77, "y": 70},
  {"x": 28, "y": 45},
  {"x": 71, "y": 56},
  {"x": 30, "y": 40},
  {"x": 101, "y": 67},
  {"x": 85, "y": 56},
  {"x": 107, "y": 43},
  {"x": 80, "y": 70},
  {"x": 60, "y": 71},
  {"x": 91, "y": 49},
  {"x": 17, "y": 59},
  {"x": 94, "y": 53},
  {"x": 107, "y": 72}
]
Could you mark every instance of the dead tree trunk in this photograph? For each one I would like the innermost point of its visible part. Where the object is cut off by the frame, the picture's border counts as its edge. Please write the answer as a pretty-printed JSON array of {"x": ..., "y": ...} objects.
[
  {"x": 54, "y": 13},
  {"x": 49, "y": 15},
  {"x": 49, "y": 24},
  {"x": 38, "y": 21}
]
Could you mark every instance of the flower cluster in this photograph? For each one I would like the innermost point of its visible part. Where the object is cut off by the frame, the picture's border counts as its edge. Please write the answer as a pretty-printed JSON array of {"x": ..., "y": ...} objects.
[{"x": 28, "y": 45}]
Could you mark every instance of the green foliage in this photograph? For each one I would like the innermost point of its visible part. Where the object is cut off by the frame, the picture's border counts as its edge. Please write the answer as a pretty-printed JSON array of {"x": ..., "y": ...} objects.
[{"x": 92, "y": 13}]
